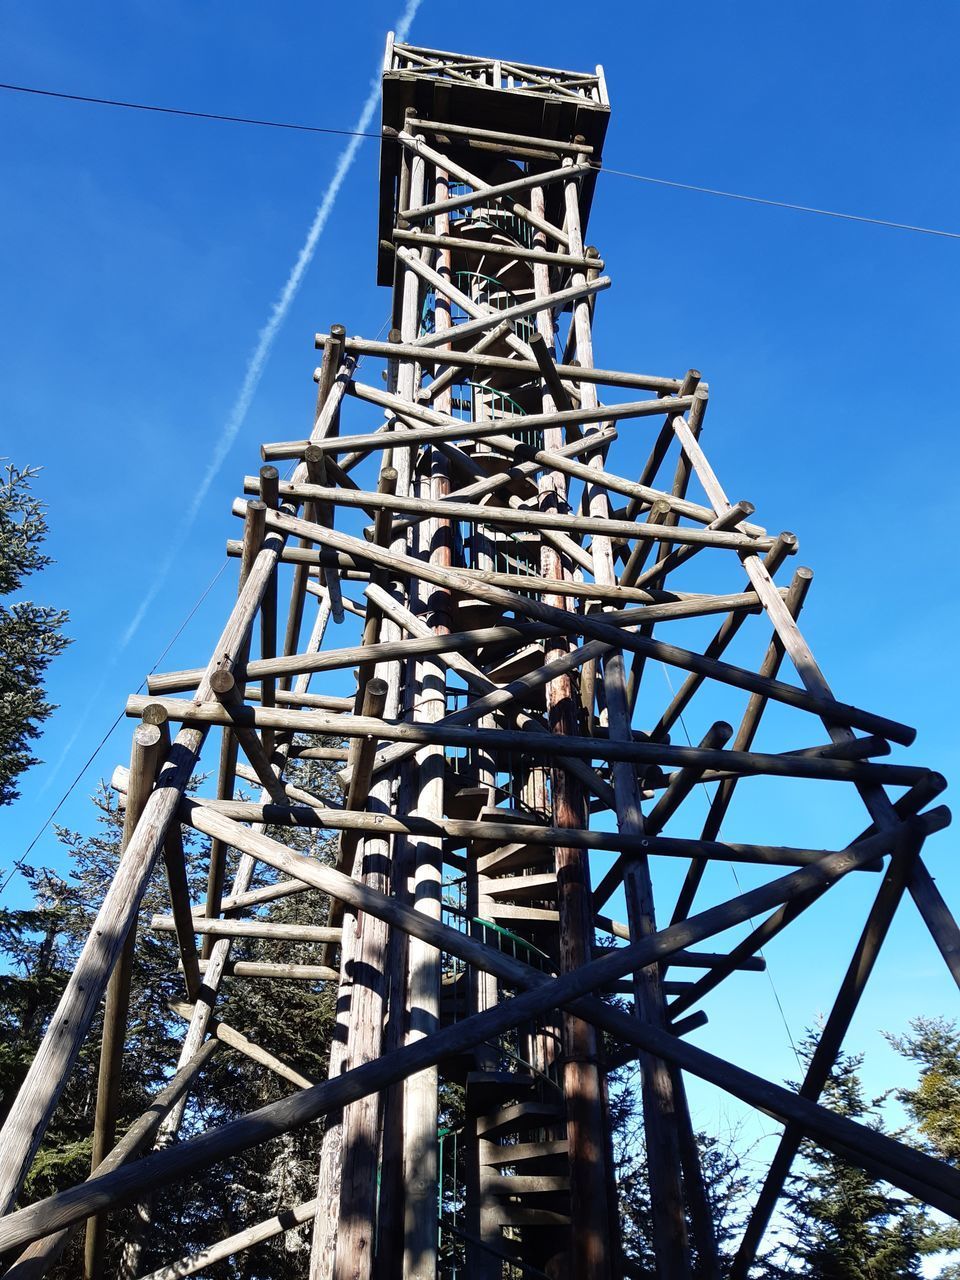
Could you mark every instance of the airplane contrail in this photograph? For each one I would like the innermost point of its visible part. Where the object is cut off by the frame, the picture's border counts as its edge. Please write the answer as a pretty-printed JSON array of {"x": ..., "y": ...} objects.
[
  {"x": 251, "y": 380},
  {"x": 268, "y": 334}
]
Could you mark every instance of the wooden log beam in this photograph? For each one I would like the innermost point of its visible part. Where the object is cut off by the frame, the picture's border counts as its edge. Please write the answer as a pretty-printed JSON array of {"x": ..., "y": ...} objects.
[
  {"x": 445, "y": 734},
  {"x": 461, "y": 830},
  {"x": 507, "y": 634},
  {"x": 642, "y": 496},
  {"x": 419, "y": 149},
  {"x": 880, "y": 808},
  {"x": 668, "y": 1218},
  {"x": 908, "y": 806},
  {"x": 268, "y": 969},
  {"x": 368, "y": 442},
  {"x": 37, "y": 1259},
  {"x": 263, "y": 929},
  {"x": 487, "y": 482},
  {"x": 145, "y": 757},
  {"x": 592, "y": 1197},
  {"x": 356, "y": 779},
  {"x": 30, "y": 1113},
  {"x": 486, "y": 192},
  {"x": 486, "y": 316},
  {"x": 675, "y": 792},
  {"x": 228, "y": 696},
  {"x": 480, "y": 684},
  {"x": 489, "y": 248},
  {"x": 254, "y": 527},
  {"x": 235, "y": 1039},
  {"x": 269, "y": 493},
  {"x": 527, "y": 518},
  {"x": 875, "y": 1151},
  {"x": 257, "y": 897},
  {"x": 219, "y": 956},
  {"x": 286, "y": 1220},
  {"x": 746, "y": 732},
  {"x": 829, "y": 1044},
  {"x": 823, "y": 704},
  {"x": 506, "y": 695},
  {"x": 481, "y": 360},
  {"x": 576, "y": 148},
  {"x": 331, "y": 380}
]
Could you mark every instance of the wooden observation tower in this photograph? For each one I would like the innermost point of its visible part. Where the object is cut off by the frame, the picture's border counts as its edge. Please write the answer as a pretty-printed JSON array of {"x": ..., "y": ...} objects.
[{"x": 492, "y": 549}]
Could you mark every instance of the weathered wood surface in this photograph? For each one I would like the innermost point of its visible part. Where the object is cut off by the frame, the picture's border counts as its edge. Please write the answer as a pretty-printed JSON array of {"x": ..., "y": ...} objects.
[
  {"x": 145, "y": 756},
  {"x": 599, "y": 748},
  {"x": 494, "y": 568},
  {"x": 819, "y": 702},
  {"x": 453, "y": 429},
  {"x": 526, "y": 519},
  {"x": 834, "y": 1132},
  {"x": 40, "y": 1256},
  {"x": 28, "y": 1117}
]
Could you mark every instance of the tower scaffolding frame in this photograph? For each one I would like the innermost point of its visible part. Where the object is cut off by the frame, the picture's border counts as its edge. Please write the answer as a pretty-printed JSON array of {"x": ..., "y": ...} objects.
[{"x": 507, "y": 768}]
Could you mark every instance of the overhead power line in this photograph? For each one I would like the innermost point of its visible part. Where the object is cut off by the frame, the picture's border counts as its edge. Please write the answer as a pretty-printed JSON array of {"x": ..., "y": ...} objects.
[
  {"x": 786, "y": 204},
  {"x": 225, "y": 118},
  {"x": 20, "y": 864},
  {"x": 181, "y": 111}
]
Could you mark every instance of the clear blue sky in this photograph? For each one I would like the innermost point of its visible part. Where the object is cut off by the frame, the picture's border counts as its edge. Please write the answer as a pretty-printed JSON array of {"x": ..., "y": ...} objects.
[{"x": 141, "y": 256}]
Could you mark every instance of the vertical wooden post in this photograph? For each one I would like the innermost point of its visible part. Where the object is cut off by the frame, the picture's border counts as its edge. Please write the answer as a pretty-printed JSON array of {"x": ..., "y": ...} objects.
[
  {"x": 361, "y": 1006},
  {"x": 254, "y": 527},
  {"x": 144, "y": 758},
  {"x": 421, "y": 1092},
  {"x": 591, "y": 1247},
  {"x": 828, "y": 1047},
  {"x": 28, "y": 1117},
  {"x": 663, "y": 1154}
]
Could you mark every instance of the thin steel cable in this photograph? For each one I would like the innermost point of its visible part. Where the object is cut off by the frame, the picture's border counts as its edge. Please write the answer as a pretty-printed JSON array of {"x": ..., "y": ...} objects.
[
  {"x": 21, "y": 862},
  {"x": 785, "y": 204},
  {"x": 182, "y": 111},
  {"x": 733, "y": 870},
  {"x": 226, "y": 118}
]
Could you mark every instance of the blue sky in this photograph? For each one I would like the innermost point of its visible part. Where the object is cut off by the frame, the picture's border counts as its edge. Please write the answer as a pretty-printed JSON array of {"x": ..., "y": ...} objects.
[{"x": 141, "y": 257}]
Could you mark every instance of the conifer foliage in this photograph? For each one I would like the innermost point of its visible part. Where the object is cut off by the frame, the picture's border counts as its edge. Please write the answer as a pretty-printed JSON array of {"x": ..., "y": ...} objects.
[
  {"x": 848, "y": 1225},
  {"x": 293, "y": 1019},
  {"x": 30, "y": 634}
]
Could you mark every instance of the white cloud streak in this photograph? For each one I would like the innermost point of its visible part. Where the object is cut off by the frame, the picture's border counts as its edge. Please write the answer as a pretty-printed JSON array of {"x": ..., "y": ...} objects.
[
  {"x": 268, "y": 334},
  {"x": 251, "y": 379}
]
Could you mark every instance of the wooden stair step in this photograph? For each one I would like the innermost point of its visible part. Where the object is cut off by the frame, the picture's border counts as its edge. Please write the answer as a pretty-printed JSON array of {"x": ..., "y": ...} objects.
[
  {"x": 522, "y": 888},
  {"x": 524, "y": 1153},
  {"x": 511, "y": 816},
  {"x": 490, "y": 813},
  {"x": 529, "y": 915},
  {"x": 517, "y": 664},
  {"x": 514, "y": 857},
  {"x": 517, "y": 1117},
  {"x": 486, "y": 1089},
  {"x": 511, "y": 1215},
  {"x": 464, "y": 803},
  {"x": 518, "y": 1184}
]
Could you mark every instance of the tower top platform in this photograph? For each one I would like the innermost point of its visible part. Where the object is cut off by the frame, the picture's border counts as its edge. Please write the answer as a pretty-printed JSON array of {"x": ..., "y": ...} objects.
[{"x": 480, "y": 93}]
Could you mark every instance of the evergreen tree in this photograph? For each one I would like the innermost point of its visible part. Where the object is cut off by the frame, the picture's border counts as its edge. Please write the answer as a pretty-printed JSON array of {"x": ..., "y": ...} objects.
[
  {"x": 847, "y": 1224},
  {"x": 726, "y": 1177},
  {"x": 934, "y": 1103},
  {"x": 293, "y": 1020},
  {"x": 30, "y": 634}
]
